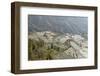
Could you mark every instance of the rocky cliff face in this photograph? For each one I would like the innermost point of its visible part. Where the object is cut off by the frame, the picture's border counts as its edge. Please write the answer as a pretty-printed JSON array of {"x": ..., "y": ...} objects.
[{"x": 51, "y": 45}]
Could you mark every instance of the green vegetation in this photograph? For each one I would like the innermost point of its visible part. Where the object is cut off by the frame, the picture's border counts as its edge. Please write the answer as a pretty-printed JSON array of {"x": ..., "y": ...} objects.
[
  {"x": 40, "y": 50},
  {"x": 54, "y": 46}
]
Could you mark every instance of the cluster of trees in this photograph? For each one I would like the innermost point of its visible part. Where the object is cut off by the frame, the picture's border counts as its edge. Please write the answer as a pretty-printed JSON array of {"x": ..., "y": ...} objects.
[{"x": 40, "y": 50}]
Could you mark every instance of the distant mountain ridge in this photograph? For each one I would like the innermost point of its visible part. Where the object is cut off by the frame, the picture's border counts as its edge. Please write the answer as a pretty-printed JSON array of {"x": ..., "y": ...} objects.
[{"x": 60, "y": 24}]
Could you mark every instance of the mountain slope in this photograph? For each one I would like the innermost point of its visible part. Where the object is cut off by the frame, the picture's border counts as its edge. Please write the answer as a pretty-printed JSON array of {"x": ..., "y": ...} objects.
[{"x": 50, "y": 45}]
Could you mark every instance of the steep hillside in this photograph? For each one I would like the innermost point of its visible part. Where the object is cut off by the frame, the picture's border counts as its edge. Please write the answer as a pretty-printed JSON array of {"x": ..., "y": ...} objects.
[{"x": 49, "y": 45}]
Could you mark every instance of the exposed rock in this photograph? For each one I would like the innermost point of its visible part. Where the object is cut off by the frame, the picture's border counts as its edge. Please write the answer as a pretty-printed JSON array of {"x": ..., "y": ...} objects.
[{"x": 61, "y": 46}]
